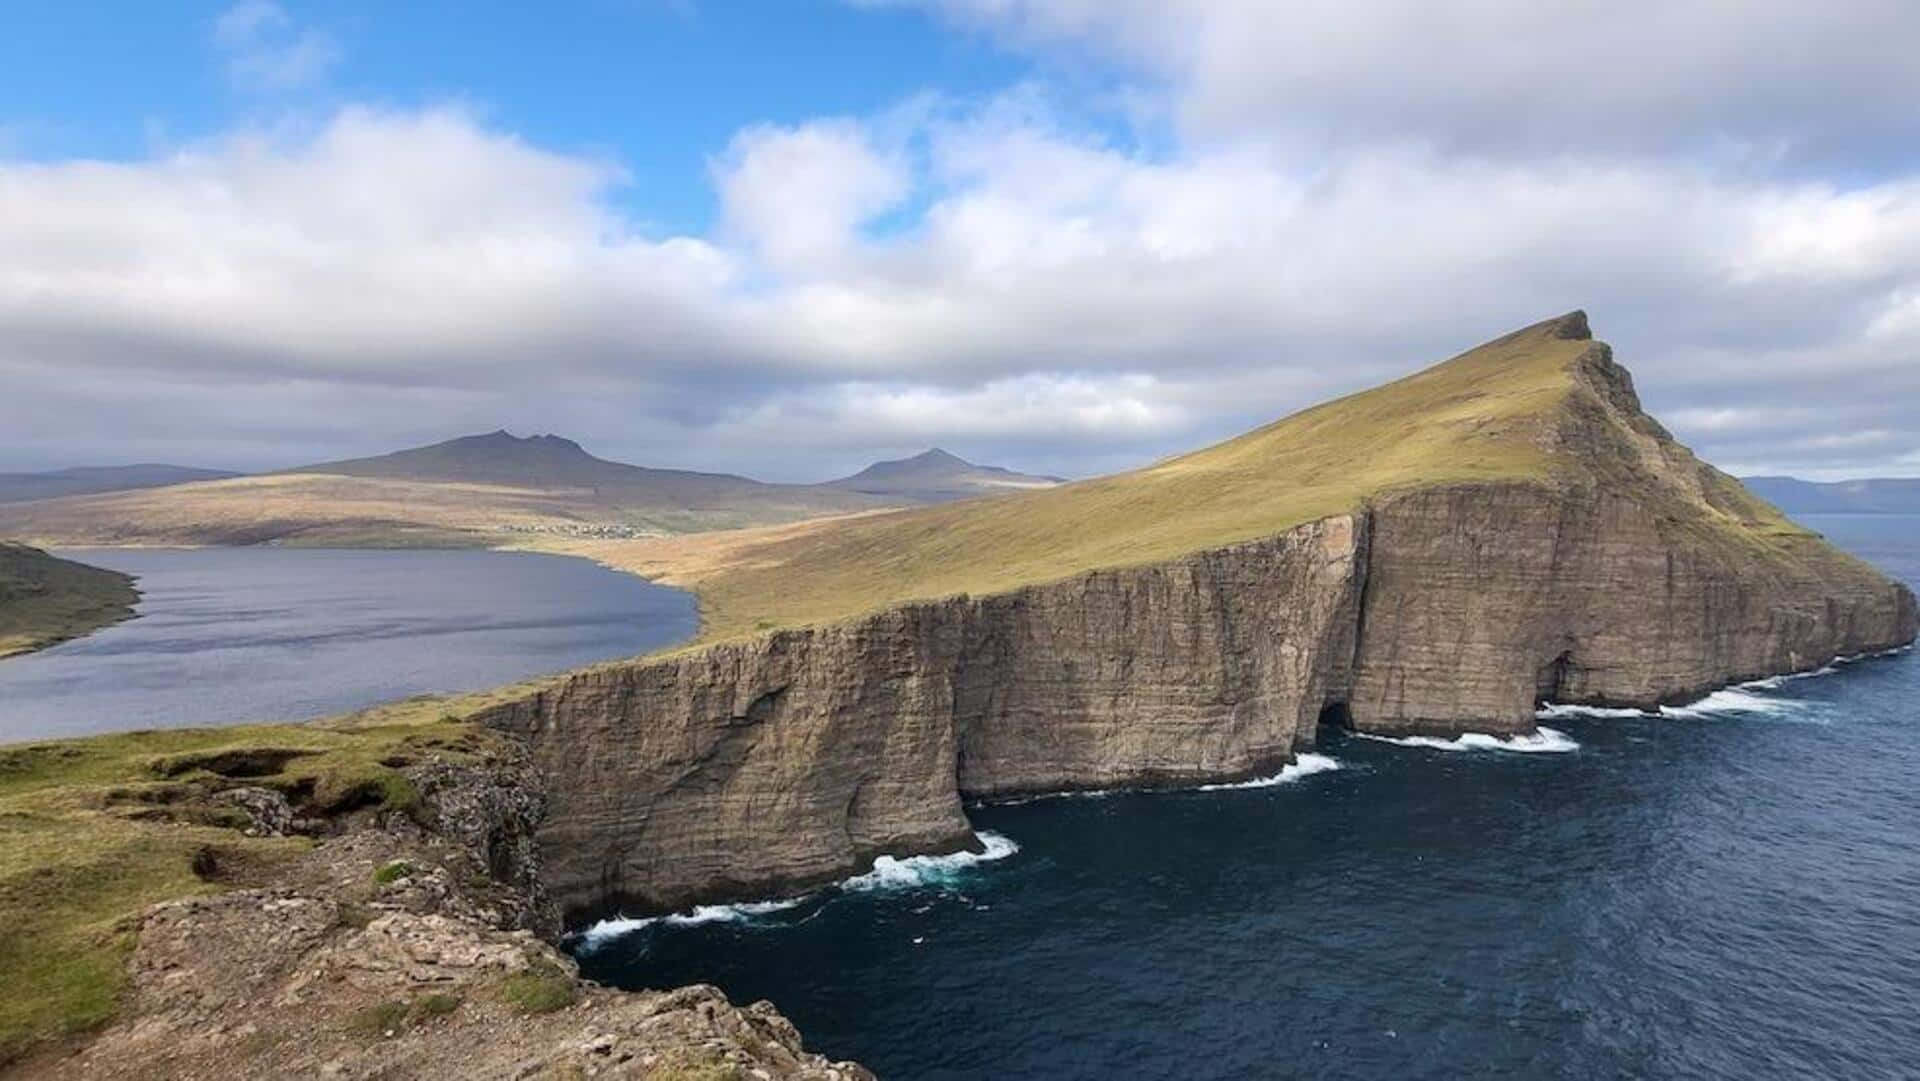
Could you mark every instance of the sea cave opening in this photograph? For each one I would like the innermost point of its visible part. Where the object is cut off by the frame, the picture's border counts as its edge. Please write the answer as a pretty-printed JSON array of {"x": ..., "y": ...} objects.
[{"x": 1335, "y": 717}]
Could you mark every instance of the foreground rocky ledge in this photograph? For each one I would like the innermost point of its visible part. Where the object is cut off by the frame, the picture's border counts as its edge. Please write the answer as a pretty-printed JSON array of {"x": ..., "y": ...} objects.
[{"x": 403, "y": 945}]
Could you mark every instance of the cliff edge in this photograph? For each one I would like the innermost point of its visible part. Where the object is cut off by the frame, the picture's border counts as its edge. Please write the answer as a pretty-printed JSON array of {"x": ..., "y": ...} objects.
[{"x": 1440, "y": 554}]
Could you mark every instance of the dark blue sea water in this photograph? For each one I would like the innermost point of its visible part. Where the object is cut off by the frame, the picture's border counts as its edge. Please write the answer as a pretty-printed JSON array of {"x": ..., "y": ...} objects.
[
  {"x": 1728, "y": 891},
  {"x": 225, "y": 635}
]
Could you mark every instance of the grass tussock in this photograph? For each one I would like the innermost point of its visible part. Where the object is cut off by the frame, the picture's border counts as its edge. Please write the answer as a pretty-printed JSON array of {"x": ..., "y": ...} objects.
[
  {"x": 539, "y": 988},
  {"x": 92, "y": 831}
]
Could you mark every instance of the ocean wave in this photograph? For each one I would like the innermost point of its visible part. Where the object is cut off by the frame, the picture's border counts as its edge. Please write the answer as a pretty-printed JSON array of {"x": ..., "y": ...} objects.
[
  {"x": 888, "y": 873},
  {"x": 1739, "y": 699},
  {"x": 609, "y": 929},
  {"x": 1543, "y": 740},
  {"x": 1304, "y": 765},
  {"x": 1775, "y": 682},
  {"x": 1560, "y": 711},
  {"x": 895, "y": 873}
]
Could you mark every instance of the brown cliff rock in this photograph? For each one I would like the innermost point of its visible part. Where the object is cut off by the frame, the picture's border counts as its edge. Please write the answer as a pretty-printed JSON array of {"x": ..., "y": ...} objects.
[{"x": 1570, "y": 551}]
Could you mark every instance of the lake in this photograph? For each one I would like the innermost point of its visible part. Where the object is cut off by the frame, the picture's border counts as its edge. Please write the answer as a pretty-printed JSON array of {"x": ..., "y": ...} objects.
[
  {"x": 1728, "y": 890},
  {"x": 227, "y": 635}
]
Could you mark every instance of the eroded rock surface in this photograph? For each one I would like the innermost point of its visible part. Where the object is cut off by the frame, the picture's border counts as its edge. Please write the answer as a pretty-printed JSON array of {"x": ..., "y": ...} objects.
[{"x": 393, "y": 952}]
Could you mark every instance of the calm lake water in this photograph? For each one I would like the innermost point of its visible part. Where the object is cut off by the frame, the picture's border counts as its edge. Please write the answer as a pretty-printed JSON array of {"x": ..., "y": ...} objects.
[
  {"x": 226, "y": 635},
  {"x": 1731, "y": 890}
]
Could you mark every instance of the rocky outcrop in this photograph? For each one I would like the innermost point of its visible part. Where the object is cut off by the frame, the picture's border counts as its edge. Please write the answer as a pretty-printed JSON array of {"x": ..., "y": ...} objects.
[{"x": 400, "y": 948}]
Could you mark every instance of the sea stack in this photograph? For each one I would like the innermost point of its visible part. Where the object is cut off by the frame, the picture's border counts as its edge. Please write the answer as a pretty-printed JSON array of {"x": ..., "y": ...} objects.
[{"x": 1438, "y": 555}]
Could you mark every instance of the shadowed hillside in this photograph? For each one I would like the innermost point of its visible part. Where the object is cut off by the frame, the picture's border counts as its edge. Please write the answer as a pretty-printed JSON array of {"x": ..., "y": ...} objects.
[{"x": 45, "y": 600}]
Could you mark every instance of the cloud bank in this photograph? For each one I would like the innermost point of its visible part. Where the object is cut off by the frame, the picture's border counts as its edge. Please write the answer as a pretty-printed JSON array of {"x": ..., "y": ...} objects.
[{"x": 1329, "y": 205}]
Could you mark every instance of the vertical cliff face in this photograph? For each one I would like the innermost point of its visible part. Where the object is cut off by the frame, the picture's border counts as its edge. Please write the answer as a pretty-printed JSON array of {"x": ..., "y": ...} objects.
[
  {"x": 1633, "y": 574},
  {"x": 1572, "y": 552},
  {"x": 1484, "y": 601},
  {"x": 762, "y": 767}
]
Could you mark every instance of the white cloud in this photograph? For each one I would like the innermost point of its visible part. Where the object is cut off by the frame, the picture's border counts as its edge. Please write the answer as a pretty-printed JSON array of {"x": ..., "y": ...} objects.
[
  {"x": 798, "y": 195},
  {"x": 1753, "y": 78},
  {"x": 267, "y": 50},
  {"x": 984, "y": 278}
]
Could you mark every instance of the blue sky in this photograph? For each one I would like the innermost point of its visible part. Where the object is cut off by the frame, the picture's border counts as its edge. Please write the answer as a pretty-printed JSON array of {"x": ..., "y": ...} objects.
[
  {"x": 1064, "y": 235},
  {"x": 657, "y": 86}
]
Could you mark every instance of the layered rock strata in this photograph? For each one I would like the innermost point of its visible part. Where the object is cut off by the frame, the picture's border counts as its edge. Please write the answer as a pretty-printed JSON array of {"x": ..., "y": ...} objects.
[
  {"x": 763, "y": 767},
  {"x": 1578, "y": 555}
]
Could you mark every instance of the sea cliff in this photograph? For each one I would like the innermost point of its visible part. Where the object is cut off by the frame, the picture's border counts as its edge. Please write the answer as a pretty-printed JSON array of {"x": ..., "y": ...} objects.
[{"x": 1624, "y": 572}]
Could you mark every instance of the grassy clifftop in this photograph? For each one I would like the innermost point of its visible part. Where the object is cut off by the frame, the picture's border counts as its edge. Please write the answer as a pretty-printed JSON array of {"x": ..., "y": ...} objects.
[
  {"x": 94, "y": 830},
  {"x": 44, "y": 599},
  {"x": 1543, "y": 404}
]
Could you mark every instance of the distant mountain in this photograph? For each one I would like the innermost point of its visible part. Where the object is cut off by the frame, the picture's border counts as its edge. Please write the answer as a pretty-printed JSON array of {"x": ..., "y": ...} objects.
[
  {"x": 535, "y": 461},
  {"x": 477, "y": 490},
  {"x": 1890, "y": 495},
  {"x": 86, "y": 480},
  {"x": 936, "y": 476}
]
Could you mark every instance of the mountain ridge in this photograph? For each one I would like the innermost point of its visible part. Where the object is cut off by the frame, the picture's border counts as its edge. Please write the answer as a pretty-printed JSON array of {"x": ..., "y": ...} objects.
[
  {"x": 486, "y": 490},
  {"x": 89, "y": 480},
  {"x": 1544, "y": 404},
  {"x": 936, "y": 475},
  {"x": 1867, "y": 495}
]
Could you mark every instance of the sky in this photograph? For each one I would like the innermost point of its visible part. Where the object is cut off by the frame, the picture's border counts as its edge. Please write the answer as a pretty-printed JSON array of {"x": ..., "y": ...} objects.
[{"x": 1068, "y": 236}]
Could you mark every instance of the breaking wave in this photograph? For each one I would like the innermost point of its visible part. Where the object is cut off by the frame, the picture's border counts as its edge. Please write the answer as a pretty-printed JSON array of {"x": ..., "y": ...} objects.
[
  {"x": 1551, "y": 712},
  {"x": 609, "y": 929},
  {"x": 1541, "y": 741},
  {"x": 888, "y": 873},
  {"x": 1739, "y": 699},
  {"x": 1304, "y": 765},
  {"x": 893, "y": 873}
]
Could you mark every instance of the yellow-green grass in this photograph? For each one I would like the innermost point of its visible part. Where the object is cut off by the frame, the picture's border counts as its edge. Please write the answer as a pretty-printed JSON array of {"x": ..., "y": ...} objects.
[
  {"x": 92, "y": 831},
  {"x": 1491, "y": 414},
  {"x": 44, "y": 599}
]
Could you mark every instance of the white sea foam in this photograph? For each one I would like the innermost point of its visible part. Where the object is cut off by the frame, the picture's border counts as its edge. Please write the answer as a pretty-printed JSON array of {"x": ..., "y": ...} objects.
[
  {"x": 893, "y": 873},
  {"x": 609, "y": 929},
  {"x": 1558, "y": 711},
  {"x": 1542, "y": 741},
  {"x": 888, "y": 872},
  {"x": 1732, "y": 700},
  {"x": 1305, "y": 765},
  {"x": 1776, "y": 682}
]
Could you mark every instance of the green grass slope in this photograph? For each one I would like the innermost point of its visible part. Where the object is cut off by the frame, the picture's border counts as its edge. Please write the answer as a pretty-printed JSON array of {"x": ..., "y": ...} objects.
[
  {"x": 1530, "y": 406},
  {"x": 94, "y": 830},
  {"x": 44, "y": 599}
]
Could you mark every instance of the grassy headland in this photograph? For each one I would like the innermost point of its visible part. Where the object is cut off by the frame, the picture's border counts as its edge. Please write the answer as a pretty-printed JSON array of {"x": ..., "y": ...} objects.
[
  {"x": 1500, "y": 412},
  {"x": 44, "y": 599}
]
